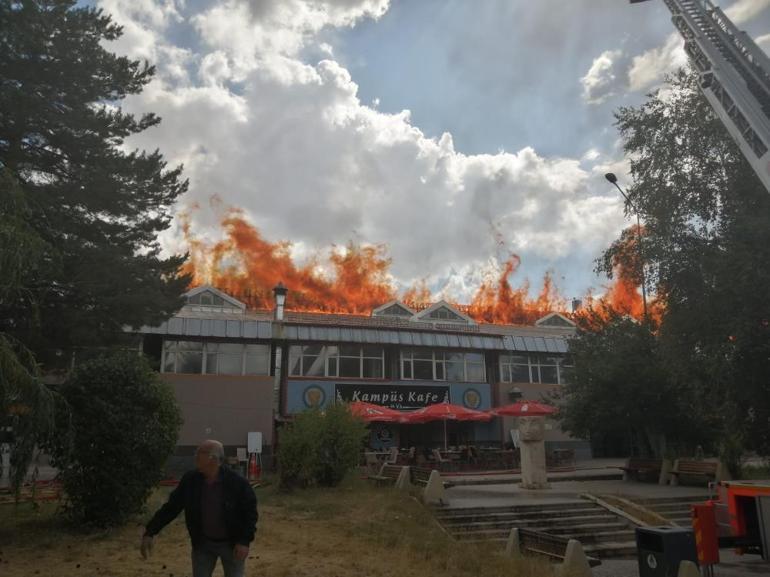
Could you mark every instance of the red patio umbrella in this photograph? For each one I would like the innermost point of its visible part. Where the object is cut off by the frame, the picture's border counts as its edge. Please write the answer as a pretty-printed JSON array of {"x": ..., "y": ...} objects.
[
  {"x": 370, "y": 412},
  {"x": 524, "y": 409},
  {"x": 446, "y": 412}
]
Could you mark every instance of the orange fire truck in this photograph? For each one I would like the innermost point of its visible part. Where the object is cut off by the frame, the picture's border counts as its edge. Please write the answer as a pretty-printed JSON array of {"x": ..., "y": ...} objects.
[{"x": 737, "y": 516}]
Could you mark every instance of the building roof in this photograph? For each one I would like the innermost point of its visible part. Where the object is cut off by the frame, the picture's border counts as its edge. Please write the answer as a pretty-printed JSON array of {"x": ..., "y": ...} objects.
[{"x": 323, "y": 327}]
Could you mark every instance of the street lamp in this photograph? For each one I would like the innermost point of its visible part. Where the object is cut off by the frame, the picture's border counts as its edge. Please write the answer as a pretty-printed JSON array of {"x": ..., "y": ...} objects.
[{"x": 614, "y": 180}]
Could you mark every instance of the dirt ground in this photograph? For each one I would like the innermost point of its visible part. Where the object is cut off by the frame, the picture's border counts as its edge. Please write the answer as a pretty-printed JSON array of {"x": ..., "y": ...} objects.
[{"x": 352, "y": 531}]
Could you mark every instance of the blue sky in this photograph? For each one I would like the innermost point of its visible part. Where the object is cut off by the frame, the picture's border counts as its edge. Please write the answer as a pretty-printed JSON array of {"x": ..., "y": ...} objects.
[{"x": 453, "y": 131}]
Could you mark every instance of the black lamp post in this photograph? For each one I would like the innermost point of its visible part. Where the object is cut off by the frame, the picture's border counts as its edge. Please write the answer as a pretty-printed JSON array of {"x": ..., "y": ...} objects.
[{"x": 614, "y": 180}]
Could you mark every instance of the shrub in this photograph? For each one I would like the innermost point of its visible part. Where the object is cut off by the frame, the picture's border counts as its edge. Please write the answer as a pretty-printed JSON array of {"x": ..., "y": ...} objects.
[
  {"x": 125, "y": 423},
  {"x": 320, "y": 447}
]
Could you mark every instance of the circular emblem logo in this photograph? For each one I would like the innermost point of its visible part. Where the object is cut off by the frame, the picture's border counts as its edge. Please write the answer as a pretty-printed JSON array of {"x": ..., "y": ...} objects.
[
  {"x": 472, "y": 399},
  {"x": 313, "y": 396},
  {"x": 384, "y": 435},
  {"x": 652, "y": 562}
]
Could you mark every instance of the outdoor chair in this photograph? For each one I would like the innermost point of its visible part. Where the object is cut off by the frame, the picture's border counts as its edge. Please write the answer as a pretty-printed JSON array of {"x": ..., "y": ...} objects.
[
  {"x": 372, "y": 463},
  {"x": 441, "y": 463},
  {"x": 393, "y": 457}
]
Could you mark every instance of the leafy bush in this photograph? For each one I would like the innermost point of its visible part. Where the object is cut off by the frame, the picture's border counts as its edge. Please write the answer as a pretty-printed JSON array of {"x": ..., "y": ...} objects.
[
  {"x": 320, "y": 447},
  {"x": 125, "y": 423}
]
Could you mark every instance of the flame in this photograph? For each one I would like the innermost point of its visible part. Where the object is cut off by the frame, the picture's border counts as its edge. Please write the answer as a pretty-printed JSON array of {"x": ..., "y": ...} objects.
[
  {"x": 247, "y": 266},
  {"x": 622, "y": 297}
]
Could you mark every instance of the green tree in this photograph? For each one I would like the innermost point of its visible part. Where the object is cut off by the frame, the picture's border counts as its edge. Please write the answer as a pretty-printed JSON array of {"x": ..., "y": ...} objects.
[
  {"x": 27, "y": 406},
  {"x": 125, "y": 423},
  {"x": 619, "y": 393},
  {"x": 707, "y": 243},
  {"x": 320, "y": 447},
  {"x": 93, "y": 208}
]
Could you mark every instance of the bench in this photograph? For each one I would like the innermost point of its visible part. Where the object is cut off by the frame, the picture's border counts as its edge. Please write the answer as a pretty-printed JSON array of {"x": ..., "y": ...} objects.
[
  {"x": 388, "y": 474},
  {"x": 708, "y": 470},
  {"x": 636, "y": 467},
  {"x": 421, "y": 476},
  {"x": 546, "y": 545}
]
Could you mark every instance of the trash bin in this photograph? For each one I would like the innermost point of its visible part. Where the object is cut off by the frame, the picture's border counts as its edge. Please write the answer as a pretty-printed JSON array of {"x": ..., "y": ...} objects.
[{"x": 660, "y": 550}]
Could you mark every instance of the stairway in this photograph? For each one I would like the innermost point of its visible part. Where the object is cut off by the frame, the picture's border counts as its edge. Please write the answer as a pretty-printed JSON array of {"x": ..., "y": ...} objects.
[
  {"x": 602, "y": 534},
  {"x": 675, "y": 509}
]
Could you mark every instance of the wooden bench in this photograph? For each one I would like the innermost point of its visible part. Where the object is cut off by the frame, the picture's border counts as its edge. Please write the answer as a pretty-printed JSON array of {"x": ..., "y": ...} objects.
[
  {"x": 707, "y": 470},
  {"x": 421, "y": 475},
  {"x": 546, "y": 545},
  {"x": 388, "y": 474},
  {"x": 636, "y": 467}
]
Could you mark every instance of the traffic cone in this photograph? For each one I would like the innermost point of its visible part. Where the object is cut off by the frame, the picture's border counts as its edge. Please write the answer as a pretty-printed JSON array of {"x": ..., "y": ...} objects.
[{"x": 253, "y": 471}]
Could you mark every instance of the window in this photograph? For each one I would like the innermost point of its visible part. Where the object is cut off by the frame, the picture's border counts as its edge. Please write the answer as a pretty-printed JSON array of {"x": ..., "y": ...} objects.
[
  {"x": 195, "y": 357},
  {"x": 442, "y": 366},
  {"x": 533, "y": 369},
  {"x": 350, "y": 361}
]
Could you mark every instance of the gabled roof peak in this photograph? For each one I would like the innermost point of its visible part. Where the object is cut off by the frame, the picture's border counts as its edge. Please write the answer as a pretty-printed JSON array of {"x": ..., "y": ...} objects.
[{"x": 196, "y": 297}]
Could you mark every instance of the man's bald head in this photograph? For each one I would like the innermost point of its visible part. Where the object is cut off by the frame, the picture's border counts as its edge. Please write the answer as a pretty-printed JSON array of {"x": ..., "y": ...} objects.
[{"x": 209, "y": 456}]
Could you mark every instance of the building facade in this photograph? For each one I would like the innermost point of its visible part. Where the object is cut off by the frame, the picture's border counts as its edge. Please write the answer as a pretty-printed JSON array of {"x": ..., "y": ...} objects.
[{"x": 236, "y": 371}]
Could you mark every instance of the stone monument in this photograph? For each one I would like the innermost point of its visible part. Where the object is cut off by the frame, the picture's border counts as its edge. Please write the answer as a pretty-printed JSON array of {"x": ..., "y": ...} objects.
[{"x": 532, "y": 446}]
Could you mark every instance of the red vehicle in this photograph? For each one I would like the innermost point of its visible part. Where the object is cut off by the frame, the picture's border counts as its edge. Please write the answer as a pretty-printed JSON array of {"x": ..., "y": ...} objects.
[{"x": 737, "y": 516}]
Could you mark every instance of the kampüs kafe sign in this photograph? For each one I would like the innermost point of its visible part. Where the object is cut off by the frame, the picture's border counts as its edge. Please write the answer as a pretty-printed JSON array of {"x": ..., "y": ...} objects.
[{"x": 402, "y": 397}]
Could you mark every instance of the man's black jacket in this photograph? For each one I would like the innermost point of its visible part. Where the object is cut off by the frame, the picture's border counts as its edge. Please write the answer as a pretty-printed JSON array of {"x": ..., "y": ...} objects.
[{"x": 238, "y": 500}]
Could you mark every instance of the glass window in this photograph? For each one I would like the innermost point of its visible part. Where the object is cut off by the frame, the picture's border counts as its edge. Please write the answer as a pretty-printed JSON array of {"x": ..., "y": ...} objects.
[
  {"x": 474, "y": 372},
  {"x": 520, "y": 374},
  {"x": 313, "y": 366},
  {"x": 295, "y": 360},
  {"x": 423, "y": 370},
  {"x": 170, "y": 364},
  {"x": 350, "y": 367},
  {"x": 190, "y": 362},
  {"x": 373, "y": 369},
  {"x": 257, "y": 360},
  {"x": 455, "y": 371}
]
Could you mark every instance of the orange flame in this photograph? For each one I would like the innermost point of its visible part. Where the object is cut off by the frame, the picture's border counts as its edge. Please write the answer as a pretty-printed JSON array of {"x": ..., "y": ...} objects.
[
  {"x": 247, "y": 266},
  {"x": 623, "y": 297}
]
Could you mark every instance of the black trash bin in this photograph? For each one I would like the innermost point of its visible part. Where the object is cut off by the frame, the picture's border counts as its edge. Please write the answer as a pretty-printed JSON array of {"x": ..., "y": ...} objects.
[{"x": 660, "y": 550}]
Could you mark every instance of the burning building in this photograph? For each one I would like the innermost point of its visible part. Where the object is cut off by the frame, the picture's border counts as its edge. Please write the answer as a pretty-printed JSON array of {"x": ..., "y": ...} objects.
[{"x": 236, "y": 370}]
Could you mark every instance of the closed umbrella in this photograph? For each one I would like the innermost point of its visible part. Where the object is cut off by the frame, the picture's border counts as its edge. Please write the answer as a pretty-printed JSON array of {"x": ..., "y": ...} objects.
[
  {"x": 524, "y": 409},
  {"x": 446, "y": 412}
]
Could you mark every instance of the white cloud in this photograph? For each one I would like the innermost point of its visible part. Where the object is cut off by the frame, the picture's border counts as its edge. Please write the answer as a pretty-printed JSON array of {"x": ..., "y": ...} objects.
[
  {"x": 764, "y": 43},
  {"x": 649, "y": 68},
  {"x": 601, "y": 80},
  {"x": 290, "y": 142},
  {"x": 742, "y": 11}
]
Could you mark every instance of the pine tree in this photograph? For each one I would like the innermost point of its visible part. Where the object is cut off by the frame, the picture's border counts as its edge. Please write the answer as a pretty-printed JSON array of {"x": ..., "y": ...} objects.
[{"x": 95, "y": 208}]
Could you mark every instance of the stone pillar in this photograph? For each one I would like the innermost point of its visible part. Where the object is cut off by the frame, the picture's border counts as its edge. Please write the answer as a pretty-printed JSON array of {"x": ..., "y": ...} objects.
[{"x": 531, "y": 433}]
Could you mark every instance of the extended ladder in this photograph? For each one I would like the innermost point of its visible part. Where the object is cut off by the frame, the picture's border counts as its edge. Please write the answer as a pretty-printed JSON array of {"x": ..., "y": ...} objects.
[{"x": 734, "y": 76}]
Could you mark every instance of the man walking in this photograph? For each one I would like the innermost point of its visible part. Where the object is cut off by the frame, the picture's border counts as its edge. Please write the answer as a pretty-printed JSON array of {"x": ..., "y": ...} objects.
[{"x": 220, "y": 510}]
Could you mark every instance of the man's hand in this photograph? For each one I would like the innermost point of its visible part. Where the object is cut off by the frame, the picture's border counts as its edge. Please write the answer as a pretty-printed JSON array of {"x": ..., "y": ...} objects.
[
  {"x": 241, "y": 552},
  {"x": 146, "y": 548}
]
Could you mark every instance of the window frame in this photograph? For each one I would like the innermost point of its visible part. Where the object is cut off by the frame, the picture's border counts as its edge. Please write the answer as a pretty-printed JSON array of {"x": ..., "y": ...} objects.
[
  {"x": 439, "y": 358},
  {"x": 172, "y": 346},
  {"x": 336, "y": 356}
]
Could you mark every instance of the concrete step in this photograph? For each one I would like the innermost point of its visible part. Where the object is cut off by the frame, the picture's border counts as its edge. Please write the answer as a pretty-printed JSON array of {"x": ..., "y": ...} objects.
[
  {"x": 541, "y": 521},
  {"x": 521, "y": 516},
  {"x": 612, "y": 550},
  {"x": 668, "y": 507},
  {"x": 662, "y": 500},
  {"x": 558, "y": 506},
  {"x": 574, "y": 531}
]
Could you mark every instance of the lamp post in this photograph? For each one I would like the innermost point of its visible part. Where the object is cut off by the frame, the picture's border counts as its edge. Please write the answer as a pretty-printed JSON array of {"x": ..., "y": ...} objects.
[{"x": 614, "y": 180}]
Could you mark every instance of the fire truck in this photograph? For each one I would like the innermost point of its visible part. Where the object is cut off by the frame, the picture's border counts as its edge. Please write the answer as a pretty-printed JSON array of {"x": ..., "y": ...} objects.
[
  {"x": 734, "y": 76},
  {"x": 737, "y": 516}
]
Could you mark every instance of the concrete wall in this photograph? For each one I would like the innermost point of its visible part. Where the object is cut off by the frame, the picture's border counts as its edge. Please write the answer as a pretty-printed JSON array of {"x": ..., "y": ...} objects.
[{"x": 224, "y": 408}]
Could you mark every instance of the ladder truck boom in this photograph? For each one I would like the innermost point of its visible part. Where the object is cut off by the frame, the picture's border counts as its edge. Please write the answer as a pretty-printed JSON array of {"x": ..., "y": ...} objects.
[{"x": 734, "y": 76}]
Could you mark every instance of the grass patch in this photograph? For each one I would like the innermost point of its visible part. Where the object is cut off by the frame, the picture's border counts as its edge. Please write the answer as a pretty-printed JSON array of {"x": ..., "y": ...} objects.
[
  {"x": 750, "y": 472},
  {"x": 353, "y": 530}
]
